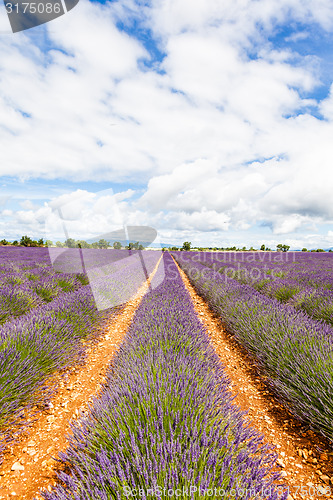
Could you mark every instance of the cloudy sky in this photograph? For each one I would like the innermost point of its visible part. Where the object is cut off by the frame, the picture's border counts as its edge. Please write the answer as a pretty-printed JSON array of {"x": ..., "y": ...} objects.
[{"x": 209, "y": 120}]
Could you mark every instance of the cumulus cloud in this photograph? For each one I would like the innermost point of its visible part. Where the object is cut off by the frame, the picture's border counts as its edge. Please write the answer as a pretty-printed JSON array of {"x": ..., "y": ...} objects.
[{"x": 223, "y": 128}]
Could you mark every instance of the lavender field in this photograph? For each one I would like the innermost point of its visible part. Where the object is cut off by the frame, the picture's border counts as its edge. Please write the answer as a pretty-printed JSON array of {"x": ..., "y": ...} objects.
[
  {"x": 279, "y": 307},
  {"x": 47, "y": 317},
  {"x": 165, "y": 415}
]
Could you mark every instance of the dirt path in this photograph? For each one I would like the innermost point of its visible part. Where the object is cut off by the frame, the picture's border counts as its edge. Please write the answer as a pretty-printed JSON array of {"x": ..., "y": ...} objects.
[
  {"x": 32, "y": 456},
  {"x": 304, "y": 456}
]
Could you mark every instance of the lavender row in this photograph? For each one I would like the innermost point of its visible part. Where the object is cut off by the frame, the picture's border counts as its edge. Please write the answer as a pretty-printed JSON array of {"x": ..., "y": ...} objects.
[
  {"x": 31, "y": 277},
  {"x": 294, "y": 352},
  {"x": 164, "y": 420},
  {"x": 27, "y": 280},
  {"x": 33, "y": 347},
  {"x": 302, "y": 280}
]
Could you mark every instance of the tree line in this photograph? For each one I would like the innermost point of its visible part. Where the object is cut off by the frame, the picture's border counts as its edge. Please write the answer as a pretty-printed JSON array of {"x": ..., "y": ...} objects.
[{"x": 26, "y": 241}]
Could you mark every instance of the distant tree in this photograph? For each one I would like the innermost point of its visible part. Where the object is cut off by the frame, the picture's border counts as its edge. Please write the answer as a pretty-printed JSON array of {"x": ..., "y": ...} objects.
[
  {"x": 15, "y": 243},
  {"x": 25, "y": 241},
  {"x": 282, "y": 248},
  {"x": 268, "y": 249},
  {"x": 103, "y": 244},
  {"x": 81, "y": 244},
  {"x": 330, "y": 250},
  {"x": 164, "y": 249},
  {"x": 40, "y": 242},
  {"x": 59, "y": 244},
  {"x": 262, "y": 247},
  {"x": 69, "y": 243},
  {"x": 320, "y": 250},
  {"x": 49, "y": 243},
  {"x": 4, "y": 242},
  {"x": 186, "y": 246},
  {"x": 117, "y": 245},
  {"x": 304, "y": 249},
  {"x": 174, "y": 249}
]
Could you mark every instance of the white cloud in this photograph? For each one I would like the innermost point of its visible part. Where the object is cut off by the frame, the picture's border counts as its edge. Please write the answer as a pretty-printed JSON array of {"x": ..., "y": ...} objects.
[{"x": 214, "y": 130}]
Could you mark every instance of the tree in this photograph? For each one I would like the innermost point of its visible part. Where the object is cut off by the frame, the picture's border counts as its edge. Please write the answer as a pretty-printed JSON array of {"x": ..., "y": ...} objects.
[
  {"x": 282, "y": 248},
  {"x": 82, "y": 244},
  {"x": 40, "y": 242},
  {"x": 3, "y": 242},
  {"x": 59, "y": 244},
  {"x": 262, "y": 248},
  {"x": 103, "y": 244},
  {"x": 49, "y": 243},
  {"x": 117, "y": 245},
  {"x": 304, "y": 249},
  {"x": 186, "y": 246},
  {"x": 69, "y": 243},
  {"x": 25, "y": 241},
  {"x": 15, "y": 243}
]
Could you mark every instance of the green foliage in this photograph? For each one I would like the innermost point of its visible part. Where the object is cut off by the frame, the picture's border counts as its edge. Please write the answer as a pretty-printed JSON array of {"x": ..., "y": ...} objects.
[
  {"x": 186, "y": 246},
  {"x": 134, "y": 246},
  {"x": 83, "y": 278},
  {"x": 117, "y": 245},
  {"x": 103, "y": 244},
  {"x": 282, "y": 248},
  {"x": 70, "y": 243}
]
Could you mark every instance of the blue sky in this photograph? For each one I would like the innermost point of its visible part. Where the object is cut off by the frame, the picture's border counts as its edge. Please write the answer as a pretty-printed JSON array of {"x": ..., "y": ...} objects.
[{"x": 210, "y": 121}]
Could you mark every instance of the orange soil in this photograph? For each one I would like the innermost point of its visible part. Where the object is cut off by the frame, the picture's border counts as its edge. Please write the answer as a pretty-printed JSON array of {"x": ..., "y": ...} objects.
[{"x": 36, "y": 449}]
